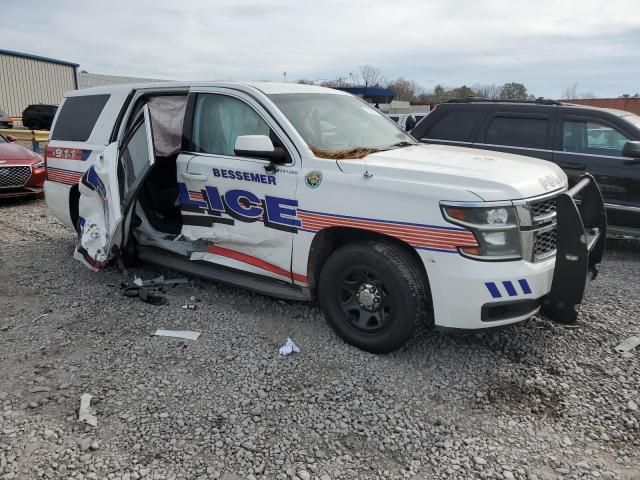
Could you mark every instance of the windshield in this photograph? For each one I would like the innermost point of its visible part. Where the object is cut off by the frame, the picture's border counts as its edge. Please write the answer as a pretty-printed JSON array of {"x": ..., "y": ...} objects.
[
  {"x": 340, "y": 126},
  {"x": 634, "y": 119},
  {"x": 2, "y": 139}
]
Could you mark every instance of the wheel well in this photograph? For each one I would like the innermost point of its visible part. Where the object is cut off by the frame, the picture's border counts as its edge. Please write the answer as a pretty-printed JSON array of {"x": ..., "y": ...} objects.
[
  {"x": 74, "y": 199},
  {"x": 330, "y": 239}
]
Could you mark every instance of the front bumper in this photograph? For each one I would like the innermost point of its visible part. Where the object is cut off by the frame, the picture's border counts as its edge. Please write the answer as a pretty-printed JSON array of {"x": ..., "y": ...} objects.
[
  {"x": 470, "y": 294},
  {"x": 21, "y": 192}
]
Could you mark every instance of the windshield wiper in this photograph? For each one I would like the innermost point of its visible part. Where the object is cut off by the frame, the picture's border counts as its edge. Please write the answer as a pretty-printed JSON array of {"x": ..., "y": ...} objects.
[{"x": 404, "y": 143}]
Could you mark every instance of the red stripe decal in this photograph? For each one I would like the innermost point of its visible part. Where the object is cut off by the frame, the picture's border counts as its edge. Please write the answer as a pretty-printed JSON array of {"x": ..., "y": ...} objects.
[
  {"x": 256, "y": 262},
  {"x": 60, "y": 175},
  {"x": 416, "y": 235}
]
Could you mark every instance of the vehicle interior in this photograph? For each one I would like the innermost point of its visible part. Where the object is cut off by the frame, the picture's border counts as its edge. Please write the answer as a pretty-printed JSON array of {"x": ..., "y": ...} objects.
[{"x": 158, "y": 194}]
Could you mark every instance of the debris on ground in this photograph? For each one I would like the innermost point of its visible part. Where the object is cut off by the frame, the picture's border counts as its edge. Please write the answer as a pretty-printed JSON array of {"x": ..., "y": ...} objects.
[
  {"x": 39, "y": 317},
  {"x": 288, "y": 348},
  {"x": 627, "y": 344},
  {"x": 159, "y": 281},
  {"x": 189, "y": 307},
  {"x": 153, "y": 296},
  {"x": 85, "y": 413},
  {"x": 186, "y": 334}
]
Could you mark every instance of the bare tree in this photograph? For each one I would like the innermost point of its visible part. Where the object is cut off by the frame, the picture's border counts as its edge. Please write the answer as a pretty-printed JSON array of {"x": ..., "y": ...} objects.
[
  {"x": 570, "y": 92},
  {"x": 492, "y": 91},
  {"x": 404, "y": 89},
  {"x": 370, "y": 75}
]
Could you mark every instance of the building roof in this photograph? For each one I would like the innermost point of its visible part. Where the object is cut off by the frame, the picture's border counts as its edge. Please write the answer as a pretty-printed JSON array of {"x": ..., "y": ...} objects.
[
  {"x": 38, "y": 58},
  {"x": 369, "y": 91}
]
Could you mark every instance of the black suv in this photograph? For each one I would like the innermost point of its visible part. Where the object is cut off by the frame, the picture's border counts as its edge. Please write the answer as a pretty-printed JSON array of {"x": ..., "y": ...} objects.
[
  {"x": 603, "y": 142},
  {"x": 39, "y": 116}
]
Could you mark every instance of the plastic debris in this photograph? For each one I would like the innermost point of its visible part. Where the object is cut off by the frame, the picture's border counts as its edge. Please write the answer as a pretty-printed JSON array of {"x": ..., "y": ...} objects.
[
  {"x": 85, "y": 414},
  {"x": 147, "y": 295},
  {"x": 39, "y": 317},
  {"x": 186, "y": 334},
  {"x": 189, "y": 307},
  {"x": 159, "y": 281},
  {"x": 288, "y": 348},
  {"x": 627, "y": 344}
]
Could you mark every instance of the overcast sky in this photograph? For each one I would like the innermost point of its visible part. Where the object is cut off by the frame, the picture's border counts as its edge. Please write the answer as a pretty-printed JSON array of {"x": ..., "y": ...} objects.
[{"x": 546, "y": 44}]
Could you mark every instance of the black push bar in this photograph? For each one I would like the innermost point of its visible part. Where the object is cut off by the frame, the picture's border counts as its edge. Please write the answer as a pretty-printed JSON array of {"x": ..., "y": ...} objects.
[{"x": 580, "y": 246}]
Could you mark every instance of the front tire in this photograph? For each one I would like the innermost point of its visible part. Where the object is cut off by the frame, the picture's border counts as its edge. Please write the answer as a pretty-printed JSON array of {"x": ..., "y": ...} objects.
[{"x": 373, "y": 294}]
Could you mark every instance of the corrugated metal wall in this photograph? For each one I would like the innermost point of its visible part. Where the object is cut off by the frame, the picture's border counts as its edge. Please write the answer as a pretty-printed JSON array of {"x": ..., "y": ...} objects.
[
  {"x": 88, "y": 80},
  {"x": 24, "y": 81}
]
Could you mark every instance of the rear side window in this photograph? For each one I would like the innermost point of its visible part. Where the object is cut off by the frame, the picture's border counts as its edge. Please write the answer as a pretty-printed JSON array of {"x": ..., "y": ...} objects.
[
  {"x": 518, "y": 132},
  {"x": 456, "y": 125},
  {"x": 78, "y": 117}
]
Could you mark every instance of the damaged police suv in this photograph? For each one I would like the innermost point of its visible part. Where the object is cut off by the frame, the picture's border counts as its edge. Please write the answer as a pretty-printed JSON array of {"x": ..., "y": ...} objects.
[{"x": 303, "y": 192}]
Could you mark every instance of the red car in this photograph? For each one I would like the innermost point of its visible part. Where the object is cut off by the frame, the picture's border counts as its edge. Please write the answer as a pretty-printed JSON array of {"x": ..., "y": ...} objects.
[{"x": 22, "y": 172}]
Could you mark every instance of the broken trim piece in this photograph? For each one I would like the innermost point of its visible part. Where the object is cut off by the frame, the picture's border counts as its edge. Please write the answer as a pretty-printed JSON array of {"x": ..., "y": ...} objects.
[{"x": 256, "y": 262}]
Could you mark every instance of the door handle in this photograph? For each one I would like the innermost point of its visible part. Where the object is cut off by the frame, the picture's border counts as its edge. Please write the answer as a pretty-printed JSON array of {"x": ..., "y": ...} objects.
[
  {"x": 574, "y": 166},
  {"x": 194, "y": 176}
]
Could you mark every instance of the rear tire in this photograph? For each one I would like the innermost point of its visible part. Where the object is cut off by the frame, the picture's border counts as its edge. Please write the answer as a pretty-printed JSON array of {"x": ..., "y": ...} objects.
[{"x": 373, "y": 294}]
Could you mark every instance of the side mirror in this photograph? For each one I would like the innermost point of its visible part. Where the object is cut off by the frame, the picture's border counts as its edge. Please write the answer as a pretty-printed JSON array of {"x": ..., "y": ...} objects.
[
  {"x": 631, "y": 150},
  {"x": 11, "y": 139},
  {"x": 259, "y": 146},
  {"x": 410, "y": 123}
]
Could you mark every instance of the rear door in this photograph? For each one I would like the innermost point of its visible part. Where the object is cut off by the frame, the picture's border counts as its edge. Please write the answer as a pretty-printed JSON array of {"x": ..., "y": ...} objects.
[
  {"x": 451, "y": 125},
  {"x": 107, "y": 190},
  {"x": 593, "y": 144},
  {"x": 244, "y": 211},
  {"x": 517, "y": 131}
]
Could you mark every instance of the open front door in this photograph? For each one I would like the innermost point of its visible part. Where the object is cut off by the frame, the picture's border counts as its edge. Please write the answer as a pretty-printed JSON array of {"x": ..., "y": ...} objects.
[{"x": 107, "y": 190}]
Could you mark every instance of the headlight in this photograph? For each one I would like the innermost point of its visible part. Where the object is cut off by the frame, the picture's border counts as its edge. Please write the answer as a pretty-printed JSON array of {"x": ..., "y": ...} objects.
[
  {"x": 496, "y": 229},
  {"x": 39, "y": 164}
]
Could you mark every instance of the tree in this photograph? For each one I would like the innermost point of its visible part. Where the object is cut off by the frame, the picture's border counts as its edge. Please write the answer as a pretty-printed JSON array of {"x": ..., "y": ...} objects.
[
  {"x": 337, "y": 83},
  {"x": 460, "y": 92},
  {"x": 492, "y": 91},
  {"x": 514, "y": 91},
  {"x": 404, "y": 89},
  {"x": 570, "y": 92},
  {"x": 439, "y": 93},
  {"x": 370, "y": 75}
]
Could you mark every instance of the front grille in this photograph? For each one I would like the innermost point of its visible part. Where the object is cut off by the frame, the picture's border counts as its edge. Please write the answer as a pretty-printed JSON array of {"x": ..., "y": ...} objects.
[
  {"x": 543, "y": 208},
  {"x": 14, "y": 176},
  {"x": 545, "y": 243},
  {"x": 539, "y": 231}
]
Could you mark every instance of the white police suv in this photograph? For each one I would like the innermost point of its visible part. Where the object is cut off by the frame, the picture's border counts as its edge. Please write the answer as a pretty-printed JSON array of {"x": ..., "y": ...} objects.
[{"x": 304, "y": 192}]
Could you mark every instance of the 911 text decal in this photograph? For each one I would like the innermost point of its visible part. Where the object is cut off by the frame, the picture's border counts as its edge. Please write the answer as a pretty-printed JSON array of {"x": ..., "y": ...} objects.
[{"x": 242, "y": 205}]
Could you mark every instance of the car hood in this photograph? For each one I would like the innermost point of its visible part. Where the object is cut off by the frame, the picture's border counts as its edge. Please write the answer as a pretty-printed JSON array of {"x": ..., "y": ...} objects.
[
  {"x": 489, "y": 175},
  {"x": 14, "y": 153}
]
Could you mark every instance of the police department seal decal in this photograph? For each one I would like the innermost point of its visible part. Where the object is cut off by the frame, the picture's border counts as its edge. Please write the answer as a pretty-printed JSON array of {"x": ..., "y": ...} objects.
[{"x": 313, "y": 179}]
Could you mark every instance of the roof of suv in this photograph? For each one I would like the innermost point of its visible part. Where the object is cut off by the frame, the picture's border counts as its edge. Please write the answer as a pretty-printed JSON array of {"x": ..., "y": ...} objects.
[
  {"x": 268, "y": 88},
  {"x": 540, "y": 102}
]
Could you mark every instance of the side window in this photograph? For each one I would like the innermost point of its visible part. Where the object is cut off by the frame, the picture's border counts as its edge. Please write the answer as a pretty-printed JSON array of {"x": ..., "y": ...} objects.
[
  {"x": 219, "y": 120},
  {"x": 518, "y": 132},
  {"x": 455, "y": 125},
  {"x": 394, "y": 118},
  {"x": 78, "y": 117},
  {"x": 583, "y": 136},
  {"x": 135, "y": 156}
]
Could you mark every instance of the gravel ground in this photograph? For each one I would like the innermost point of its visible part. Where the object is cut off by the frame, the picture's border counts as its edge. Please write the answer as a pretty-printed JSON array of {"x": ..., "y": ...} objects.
[{"x": 531, "y": 401}]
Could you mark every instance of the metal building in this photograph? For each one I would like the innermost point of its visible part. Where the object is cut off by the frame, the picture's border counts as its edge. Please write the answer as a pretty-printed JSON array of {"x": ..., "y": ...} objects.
[{"x": 27, "y": 79}]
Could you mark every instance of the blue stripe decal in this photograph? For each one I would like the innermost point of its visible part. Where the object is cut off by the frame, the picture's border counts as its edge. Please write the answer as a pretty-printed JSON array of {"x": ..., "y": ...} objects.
[
  {"x": 524, "y": 285},
  {"x": 511, "y": 290},
  {"x": 493, "y": 290}
]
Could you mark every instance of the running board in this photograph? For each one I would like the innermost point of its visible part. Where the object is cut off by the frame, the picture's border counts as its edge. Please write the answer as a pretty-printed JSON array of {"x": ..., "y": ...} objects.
[{"x": 217, "y": 273}]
